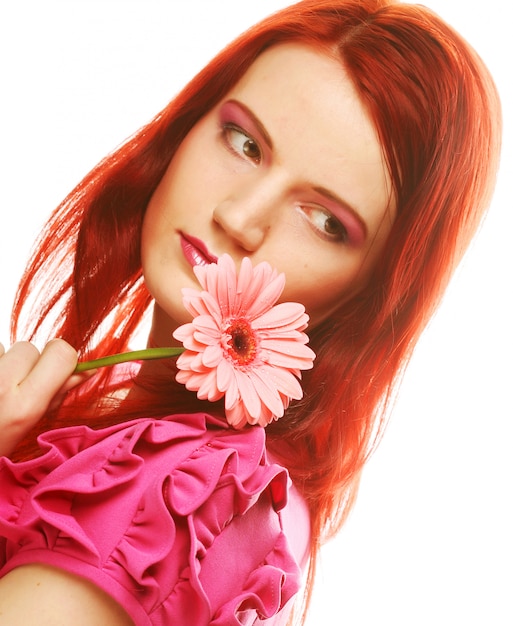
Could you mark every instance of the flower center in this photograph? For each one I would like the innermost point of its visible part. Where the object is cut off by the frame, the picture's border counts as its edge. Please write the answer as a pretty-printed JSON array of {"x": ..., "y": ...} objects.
[{"x": 242, "y": 342}]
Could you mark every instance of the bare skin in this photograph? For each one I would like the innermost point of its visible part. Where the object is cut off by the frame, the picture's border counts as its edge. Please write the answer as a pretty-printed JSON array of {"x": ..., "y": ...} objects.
[
  {"x": 260, "y": 181},
  {"x": 55, "y": 598},
  {"x": 31, "y": 382}
]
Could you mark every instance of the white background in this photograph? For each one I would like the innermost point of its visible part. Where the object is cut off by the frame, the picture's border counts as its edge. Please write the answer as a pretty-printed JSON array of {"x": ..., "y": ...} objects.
[{"x": 429, "y": 541}]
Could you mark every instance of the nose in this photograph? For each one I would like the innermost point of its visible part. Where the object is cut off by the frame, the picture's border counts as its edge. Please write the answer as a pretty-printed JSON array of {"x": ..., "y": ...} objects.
[{"x": 248, "y": 215}]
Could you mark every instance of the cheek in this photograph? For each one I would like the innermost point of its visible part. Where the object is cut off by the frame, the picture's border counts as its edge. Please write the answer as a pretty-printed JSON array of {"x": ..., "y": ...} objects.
[
  {"x": 172, "y": 204},
  {"x": 159, "y": 211},
  {"x": 321, "y": 304},
  {"x": 321, "y": 293},
  {"x": 326, "y": 280}
]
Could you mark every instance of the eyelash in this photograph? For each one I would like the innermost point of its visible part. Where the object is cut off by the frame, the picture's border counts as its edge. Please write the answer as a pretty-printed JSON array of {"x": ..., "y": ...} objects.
[
  {"x": 339, "y": 234},
  {"x": 229, "y": 129}
]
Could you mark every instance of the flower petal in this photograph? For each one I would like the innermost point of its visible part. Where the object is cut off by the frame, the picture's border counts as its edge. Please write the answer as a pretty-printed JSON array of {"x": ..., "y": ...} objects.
[
  {"x": 206, "y": 323},
  {"x": 228, "y": 385},
  {"x": 283, "y": 314},
  {"x": 267, "y": 391},
  {"x": 237, "y": 416},
  {"x": 204, "y": 339},
  {"x": 183, "y": 332},
  {"x": 263, "y": 275},
  {"x": 226, "y": 287},
  {"x": 257, "y": 388},
  {"x": 212, "y": 356},
  {"x": 267, "y": 417},
  {"x": 267, "y": 297},
  {"x": 286, "y": 383},
  {"x": 248, "y": 393},
  {"x": 207, "y": 389},
  {"x": 212, "y": 307},
  {"x": 288, "y": 353}
]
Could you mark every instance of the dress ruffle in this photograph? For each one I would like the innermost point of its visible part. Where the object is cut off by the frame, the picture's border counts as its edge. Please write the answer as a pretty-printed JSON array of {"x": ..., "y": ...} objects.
[{"x": 176, "y": 518}]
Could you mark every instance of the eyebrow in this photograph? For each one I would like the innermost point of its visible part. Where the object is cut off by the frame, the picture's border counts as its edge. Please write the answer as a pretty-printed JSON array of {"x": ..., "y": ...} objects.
[
  {"x": 323, "y": 191},
  {"x": 256, "y": 122},
  {"x": 327, "y": 193}
]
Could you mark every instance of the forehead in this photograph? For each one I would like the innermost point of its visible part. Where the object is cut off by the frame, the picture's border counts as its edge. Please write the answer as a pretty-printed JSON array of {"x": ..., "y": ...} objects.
[{"x": 319, "y": 127}]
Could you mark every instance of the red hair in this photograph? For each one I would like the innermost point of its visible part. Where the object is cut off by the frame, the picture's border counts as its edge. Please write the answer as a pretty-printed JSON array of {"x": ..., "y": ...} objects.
[{"x": 438, "y": 118}]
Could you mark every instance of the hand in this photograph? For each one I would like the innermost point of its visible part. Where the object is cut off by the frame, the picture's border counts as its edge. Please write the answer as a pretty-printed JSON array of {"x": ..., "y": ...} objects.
[{"x": 30, "y": 383}]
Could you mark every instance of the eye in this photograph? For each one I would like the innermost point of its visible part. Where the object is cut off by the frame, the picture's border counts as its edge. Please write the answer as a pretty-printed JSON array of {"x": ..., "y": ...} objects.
[
  {"x": 241, "y": 143},
  {"x": 328, "y": 226}
]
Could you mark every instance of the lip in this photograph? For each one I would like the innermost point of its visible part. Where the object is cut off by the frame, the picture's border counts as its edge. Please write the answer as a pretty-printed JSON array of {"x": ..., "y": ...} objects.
[{"x": 196, "y": 251}]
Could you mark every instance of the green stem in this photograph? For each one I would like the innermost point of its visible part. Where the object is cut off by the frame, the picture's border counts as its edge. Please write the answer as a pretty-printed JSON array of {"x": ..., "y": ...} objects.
[{"x": 136, "y": 355}]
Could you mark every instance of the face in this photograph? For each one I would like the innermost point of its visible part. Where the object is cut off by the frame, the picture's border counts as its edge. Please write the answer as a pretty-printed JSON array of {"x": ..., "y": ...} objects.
[{"x": 287, "y": 168}]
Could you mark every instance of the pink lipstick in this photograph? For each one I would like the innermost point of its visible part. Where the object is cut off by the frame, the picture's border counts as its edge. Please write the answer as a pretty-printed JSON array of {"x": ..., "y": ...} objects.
[{"x": 195, "y": 251}]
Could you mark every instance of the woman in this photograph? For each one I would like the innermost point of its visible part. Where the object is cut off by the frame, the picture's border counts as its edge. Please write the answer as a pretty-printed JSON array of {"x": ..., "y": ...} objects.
[{"x": 395, "y": 250}]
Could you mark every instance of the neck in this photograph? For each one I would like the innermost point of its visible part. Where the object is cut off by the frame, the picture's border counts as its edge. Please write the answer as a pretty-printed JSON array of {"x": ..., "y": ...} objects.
[{"x": 162, "y": 328}]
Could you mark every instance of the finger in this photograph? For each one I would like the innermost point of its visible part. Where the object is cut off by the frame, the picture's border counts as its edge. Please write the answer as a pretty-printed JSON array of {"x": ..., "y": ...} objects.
[
  {"x": 77, "y": 379},
  {"x": 17, "y": 362},
  {"x": 2, "y": 349},
  {"x": 73, "y": 381},
  {"x": 54, "y": 367}
]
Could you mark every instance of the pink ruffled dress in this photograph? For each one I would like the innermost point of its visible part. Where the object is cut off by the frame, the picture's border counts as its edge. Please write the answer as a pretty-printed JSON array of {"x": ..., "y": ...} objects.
[{"x": 181, "y": 520}]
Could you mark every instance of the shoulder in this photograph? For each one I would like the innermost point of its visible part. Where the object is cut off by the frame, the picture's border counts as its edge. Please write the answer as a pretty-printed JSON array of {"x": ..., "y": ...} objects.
[
  {"x": 187, "y": 498},
  {"x": 43, "y": 594}
]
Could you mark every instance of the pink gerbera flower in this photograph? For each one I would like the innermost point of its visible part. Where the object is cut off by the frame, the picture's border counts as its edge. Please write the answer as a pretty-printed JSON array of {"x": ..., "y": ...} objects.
[{"x": 240, "y": 344}]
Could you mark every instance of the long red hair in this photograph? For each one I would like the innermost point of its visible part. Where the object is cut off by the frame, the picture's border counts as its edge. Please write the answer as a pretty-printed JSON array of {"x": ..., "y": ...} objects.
[{"x": 438, "y": 118}]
